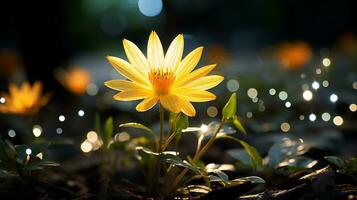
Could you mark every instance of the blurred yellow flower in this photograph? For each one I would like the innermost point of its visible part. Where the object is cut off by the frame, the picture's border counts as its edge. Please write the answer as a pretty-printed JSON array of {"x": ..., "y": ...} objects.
[
  {"x": 294, "y": 55},
  {"x": 76, "y": 79},
  {"x": 25, "y": 99},
  {"x": 164, "y": 78}
]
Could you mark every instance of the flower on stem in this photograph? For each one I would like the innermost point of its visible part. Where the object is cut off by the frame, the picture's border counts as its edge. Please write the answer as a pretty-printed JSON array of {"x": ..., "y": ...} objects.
[
  {"x": 164, "y": 78},
  {"x": 24, "y": 100}
]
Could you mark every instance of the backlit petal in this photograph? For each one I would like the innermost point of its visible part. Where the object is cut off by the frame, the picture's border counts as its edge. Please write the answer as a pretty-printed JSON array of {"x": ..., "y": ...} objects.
[
  {"x": 187, "y": 108},
  {"x": 127, "y": 70},
  {"x": 135, "y": 56},
  {"x": 155, "y": 52},
  {"x": 203, "y": 83},
  {"x": 170, "y": 102},
  {"x": 131, "y": 95},
  {"x": 147, "y": 104},
  {"x": 203, "y": 71},
  {"x": 122, "y": 85},
  {"x": 174, "y": 53},
  {"x": 189, "y": 62},
  {"x": 197, "y": 95}
]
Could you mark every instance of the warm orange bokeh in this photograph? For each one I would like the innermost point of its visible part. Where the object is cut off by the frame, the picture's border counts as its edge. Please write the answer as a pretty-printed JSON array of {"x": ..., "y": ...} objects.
[
  {"x": 217, "y": 54},
  {"x": 75, "y": 79},
  {"x": 24, "y": 100},
  {"x": 348, "y": 44},
  {"x": 294, "y": 55}
]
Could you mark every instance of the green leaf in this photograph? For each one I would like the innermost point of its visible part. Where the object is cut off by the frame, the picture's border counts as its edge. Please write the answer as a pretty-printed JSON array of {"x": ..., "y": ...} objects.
[
  {"x": 284, "y": 149},
  {"x": 4, "y": 174},
  {"x": 198, "y": 189},
  {"x": 176, "y": 160},
  {"x": 97, "y": 127},
  {"x": 41, "y": 164},
  {"x": 222, "y": 175},
  {"x": 107, "y": 132},
  {"x": 172, "y": 117},
  {"x": 214, "y": 178},
  {"x": 139, "y": 126},
  {"x": 252, "y": 179},
  {"x": 230, "y": 109},
  {"x": 238, "y": 125},
  {"x": 181, "y": 122},
  {"x": 146, "y": 151},
  {"x": 335, "y": 160},
  {"x": 257, "y": 161},
  {"x": 298, "y": 163}
]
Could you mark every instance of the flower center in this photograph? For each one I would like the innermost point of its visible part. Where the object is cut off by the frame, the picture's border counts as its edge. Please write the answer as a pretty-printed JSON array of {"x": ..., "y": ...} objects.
[{"x": 161, "y": 81}]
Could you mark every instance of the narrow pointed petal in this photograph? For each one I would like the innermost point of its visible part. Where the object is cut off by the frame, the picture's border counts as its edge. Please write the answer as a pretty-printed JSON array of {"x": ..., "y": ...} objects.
[
  {"x": 203, "y": 71},
  {"x": 122, "y": 85},
  {"x": 131, "y": 95},
  {"x": 155, "y": 51},
  {"x": 189, "y": 62},
  {"x": 36, "y": 91},
  {"x": 187, "y": 108},
  {"x": 204, "y": 83},
  {"x": 127, "y": 70},
  {"x": 174, "y": 53},
  {"x": 14, "y": 91},
  {"x": 170, "y": 102},
  {"x": 147, "y": 104},
  {"x": 198, "y": 96},
  {"x": 135, "y": 56}
]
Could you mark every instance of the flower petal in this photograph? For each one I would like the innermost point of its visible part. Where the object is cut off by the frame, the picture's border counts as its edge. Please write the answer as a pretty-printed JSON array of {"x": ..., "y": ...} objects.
[
  {"x": 131, "y": 95},
  {"x": 155, "y": 52},
  {"x": 14, "y": 91},
  {"x": 203, "y": 83},
  {"x": 187, "y": 108},
  {"x": 170, "y": 102},
  {"x": 147, "y": 104},
  {"x": 122, "y": 85},
  {"x": 127, "y": 70},
  {"x": 189, "y": 62},
  {"x": 135, "y": 56},
  {"x": 174, "y": 53},
  {"x": 203, "y": 71},
  {"x": 197, "y": 95}
]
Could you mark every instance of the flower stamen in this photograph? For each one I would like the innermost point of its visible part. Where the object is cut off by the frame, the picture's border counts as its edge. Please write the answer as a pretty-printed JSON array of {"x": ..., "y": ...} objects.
[{"x": 161, "y": 81}]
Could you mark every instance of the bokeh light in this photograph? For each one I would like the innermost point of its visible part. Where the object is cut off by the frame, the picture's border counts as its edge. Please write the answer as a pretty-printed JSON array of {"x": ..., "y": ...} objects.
[
  {"x": 333, "y": 98},
  {"x": 326, "y": 62},
  {"x": 285, "y": 127},
  {"x": 86, "y": 147},
  {"x": 307, "y": 95},
  {"x": 338, "y": 120},
  {"x": 150, "y": 8},
  {"x": 252, "y": 93},
  {"x": 232, "y": 85},
  {"x": 37, "y": 130},
  {"x": 283, "y": 95},
  {"x": 212, "y": 111}
]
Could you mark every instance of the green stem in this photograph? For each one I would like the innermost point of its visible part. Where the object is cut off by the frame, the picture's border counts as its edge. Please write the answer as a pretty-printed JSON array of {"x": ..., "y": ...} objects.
[
  {"x": 169, "y": 139},
  {"x": 155, "y": 179},
  {"x": 162, "y": 112},
  {"x": 198, "y": 155}
]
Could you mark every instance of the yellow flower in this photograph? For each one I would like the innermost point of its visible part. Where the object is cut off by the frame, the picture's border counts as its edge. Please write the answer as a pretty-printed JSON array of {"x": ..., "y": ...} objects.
[
  {"x": 24, "y": 99},
  {"x": 76, "y": 79},
  {"x": 164, "y": 78}
]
